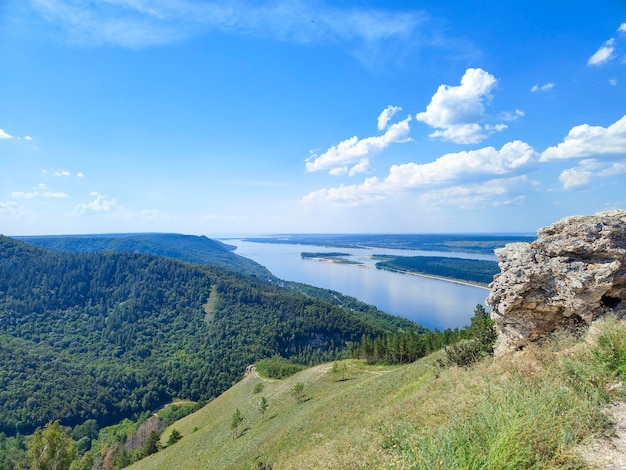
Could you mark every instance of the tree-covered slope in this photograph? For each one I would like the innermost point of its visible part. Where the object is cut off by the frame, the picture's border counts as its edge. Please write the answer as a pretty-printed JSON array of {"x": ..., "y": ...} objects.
[
  {"x": 191, "y": 248},
  {"x": 109, "y": 335}
]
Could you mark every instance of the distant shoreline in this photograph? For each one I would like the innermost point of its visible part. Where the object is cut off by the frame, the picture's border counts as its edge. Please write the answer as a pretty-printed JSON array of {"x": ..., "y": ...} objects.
[{"x": 439, "y": 278}]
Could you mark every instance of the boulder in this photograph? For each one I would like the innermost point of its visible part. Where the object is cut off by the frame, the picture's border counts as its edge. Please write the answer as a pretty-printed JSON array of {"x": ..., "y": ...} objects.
[{"x": 573, "y": 273}]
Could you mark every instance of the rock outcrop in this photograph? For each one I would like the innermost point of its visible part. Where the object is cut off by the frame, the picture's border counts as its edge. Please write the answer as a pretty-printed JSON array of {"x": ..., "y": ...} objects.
[{"x": 574, "y": 272}]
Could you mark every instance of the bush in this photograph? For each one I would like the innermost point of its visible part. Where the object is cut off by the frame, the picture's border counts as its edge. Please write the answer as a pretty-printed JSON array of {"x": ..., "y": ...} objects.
[
  {"x": 464, "y": 353},
  {"x": 277, "y": 367}
]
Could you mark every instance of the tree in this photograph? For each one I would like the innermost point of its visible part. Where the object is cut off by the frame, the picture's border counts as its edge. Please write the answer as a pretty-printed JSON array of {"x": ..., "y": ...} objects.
[
  {"x": 51, "y": 448},
  {"x": 235, "y": 423},
  {"x": 152, "y": 445},
  {"x": 482, "y": 329},
  {"x": 263, "y": 407},
  {"x": 298, "y": 392},
  {"x": 175, "y": 436}
]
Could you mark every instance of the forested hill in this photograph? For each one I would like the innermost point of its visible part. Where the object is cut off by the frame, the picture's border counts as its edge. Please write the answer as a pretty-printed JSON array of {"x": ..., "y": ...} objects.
[
  {"x": 191, "y": 248},
  {"x": 108, "y": 335}
]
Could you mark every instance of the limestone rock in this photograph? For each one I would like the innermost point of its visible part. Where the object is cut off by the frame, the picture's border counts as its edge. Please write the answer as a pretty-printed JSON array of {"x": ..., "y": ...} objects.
[{"x": 574, "y": 272}]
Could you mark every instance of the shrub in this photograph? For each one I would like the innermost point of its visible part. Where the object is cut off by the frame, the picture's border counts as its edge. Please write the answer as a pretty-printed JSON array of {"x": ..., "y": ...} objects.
[{"x": 277, "y": 367}]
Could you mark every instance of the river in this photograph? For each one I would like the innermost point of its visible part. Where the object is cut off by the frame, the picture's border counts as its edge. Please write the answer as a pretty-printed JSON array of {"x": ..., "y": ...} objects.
[{"x": 431, "y": 302}]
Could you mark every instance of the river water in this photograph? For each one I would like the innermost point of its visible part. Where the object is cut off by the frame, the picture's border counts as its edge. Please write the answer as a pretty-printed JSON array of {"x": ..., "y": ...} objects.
[{"x": 431, "y": 302}]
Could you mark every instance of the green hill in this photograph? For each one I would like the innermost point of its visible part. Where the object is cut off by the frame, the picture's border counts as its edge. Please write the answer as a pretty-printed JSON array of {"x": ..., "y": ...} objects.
[
  {"x": 530, "y": 410},
  {"x": 194, "y": 249},
  {"x": 105, "y": 336}
]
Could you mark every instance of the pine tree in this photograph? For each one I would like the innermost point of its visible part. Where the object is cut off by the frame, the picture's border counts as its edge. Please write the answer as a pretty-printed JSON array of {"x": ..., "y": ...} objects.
[
  {"x": 298, "y": 392},
  {"x": 263, "y": 405},
  {"x": 235, "y": 423}
]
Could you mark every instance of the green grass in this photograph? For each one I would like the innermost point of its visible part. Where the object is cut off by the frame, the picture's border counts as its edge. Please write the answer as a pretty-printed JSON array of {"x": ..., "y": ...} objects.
[{"x": 530, "y": 411}]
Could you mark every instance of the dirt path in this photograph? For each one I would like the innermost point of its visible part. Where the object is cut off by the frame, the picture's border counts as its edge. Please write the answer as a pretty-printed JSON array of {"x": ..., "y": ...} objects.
[{"x": 609, "y": 452}]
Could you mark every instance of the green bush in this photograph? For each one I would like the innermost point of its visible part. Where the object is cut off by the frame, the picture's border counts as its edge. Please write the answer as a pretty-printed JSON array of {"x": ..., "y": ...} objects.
[{"x": 277, "y": 367}]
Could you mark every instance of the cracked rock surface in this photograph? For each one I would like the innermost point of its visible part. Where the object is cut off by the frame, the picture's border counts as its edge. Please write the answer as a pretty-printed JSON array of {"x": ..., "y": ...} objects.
[{"x": 574, "y": 272}]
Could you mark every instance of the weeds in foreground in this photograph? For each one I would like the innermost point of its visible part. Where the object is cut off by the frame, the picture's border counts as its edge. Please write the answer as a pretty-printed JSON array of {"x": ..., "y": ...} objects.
[{"x": 522, "y": 418}]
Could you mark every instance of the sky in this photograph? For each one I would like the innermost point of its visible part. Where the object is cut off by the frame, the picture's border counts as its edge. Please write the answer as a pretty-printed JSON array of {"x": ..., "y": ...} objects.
[{"x": 261, "y": 117}]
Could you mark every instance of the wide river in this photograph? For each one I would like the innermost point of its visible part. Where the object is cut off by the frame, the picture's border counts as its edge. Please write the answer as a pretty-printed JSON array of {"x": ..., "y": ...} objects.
[{"x": 431, "y": 302}]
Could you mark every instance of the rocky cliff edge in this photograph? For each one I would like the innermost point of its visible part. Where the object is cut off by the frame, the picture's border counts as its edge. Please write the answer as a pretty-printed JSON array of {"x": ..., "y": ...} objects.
[{"x": 573, "y": 273}]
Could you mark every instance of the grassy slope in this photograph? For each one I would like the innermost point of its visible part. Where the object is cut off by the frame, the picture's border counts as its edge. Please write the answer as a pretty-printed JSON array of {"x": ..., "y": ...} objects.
[
  {"x": 315, "y": 433},
  {"x": 528, "y": 411}
]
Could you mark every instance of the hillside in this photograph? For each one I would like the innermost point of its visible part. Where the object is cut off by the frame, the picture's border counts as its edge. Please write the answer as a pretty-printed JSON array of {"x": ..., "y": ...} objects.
[
  {"x": 110, "y": 335},
  {"x": 535, "y": 409},
  {"x": 190, "y": 248}
]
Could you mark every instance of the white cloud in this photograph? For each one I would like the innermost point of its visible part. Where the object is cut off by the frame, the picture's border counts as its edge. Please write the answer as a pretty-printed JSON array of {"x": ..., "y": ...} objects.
[
  {"x": 622, "y": 28},
  {"x": 4, "y": 205},
  {"x": 511, "y": 116},
  {"x": 142, "y": 23},
  {"x": 613, "y": 81},
  {"x": 386, "y": 115},
  {"x": 585, "y": 141},
  {"x": 546, "y": 87},
  {"x": 4, "y": 135},
  {"x": 616, "y": 168},
  {"x": 486, "y": 162},
  {"x": 581, "y": 175},
  {"x": 27, "y": 137},
  {"x": 100, "y": 204},
  {"x": 497, "y": 192},
  {"x": 62, "y": 173},
  {"x": 35, "y": 194},
  {"x": 470, "y": 166},
  {"x": 458, "y": 109},
  {"x": 604, "y": 54},
  {"x": 356, "y": 153}
]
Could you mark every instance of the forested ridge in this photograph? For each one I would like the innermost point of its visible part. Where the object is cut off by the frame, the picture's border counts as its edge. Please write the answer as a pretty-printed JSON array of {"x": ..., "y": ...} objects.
[
  {"x": 191, "y": 248},
  {"x": 106, "y": 336}
]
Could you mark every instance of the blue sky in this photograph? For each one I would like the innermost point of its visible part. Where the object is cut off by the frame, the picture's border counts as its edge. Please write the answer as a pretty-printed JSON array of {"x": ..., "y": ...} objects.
[{"x": 251, "y": 117}]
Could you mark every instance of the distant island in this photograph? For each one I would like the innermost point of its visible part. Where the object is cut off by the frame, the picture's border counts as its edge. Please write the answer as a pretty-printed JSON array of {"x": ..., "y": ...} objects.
[
  {"x": 470, "y": 271},
  {"x": 331, "y": 257}
]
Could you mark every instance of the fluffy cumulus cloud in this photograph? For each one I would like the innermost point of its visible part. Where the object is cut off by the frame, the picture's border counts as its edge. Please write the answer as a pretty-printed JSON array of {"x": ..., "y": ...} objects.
[
  {"x": 353, "y": 155},
  {"x": 587, "y": 170},
  {"x": 386, "y": 116},
  {"x": 587, "y": 141},
  {"x": 604, "y": 54},
  {"x": 458, "y": 110},
  {"x": 483, "y": 163},
  {"x": 4, "y": 135},
  {"x": 100, "y": 204},
  {"x": 468, "y": 167}
]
